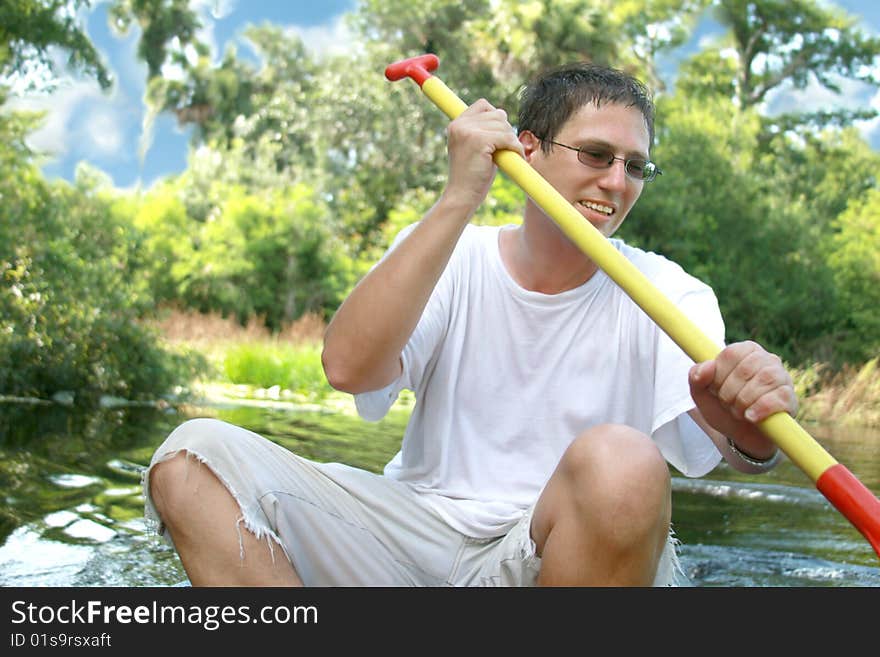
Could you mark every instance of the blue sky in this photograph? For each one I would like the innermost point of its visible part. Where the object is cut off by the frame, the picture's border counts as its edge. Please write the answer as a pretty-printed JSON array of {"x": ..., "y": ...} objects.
[{"x": 106, "y": 129}]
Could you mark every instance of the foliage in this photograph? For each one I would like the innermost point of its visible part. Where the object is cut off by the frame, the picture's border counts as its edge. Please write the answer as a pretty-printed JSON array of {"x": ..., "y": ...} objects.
[
  {"x": 855, "y": 260},
  {"x": 303, "y": 167},
  {"x": 712, "y": 213},
  {"x": 267, "y": 254},
  {"x": 162, "y": 23},
  {"x": 818, "y": 174},
  {"x": 30, "y": 28},
  {"x": 69, "y": 310},
  {"x": 794, "y": 42},
  {"x": 652, "y": 28}
]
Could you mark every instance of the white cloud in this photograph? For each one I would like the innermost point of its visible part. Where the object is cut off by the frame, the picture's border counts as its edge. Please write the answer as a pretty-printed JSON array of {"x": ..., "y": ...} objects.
[
  {"x": 63, "y": 107},
  {"x": 333, "y": 38},
  {"x": 871, "y": 129},
  {"x": 206, "y": 35},
  {"x": 709, "y": 41},
  {"x": 128, "y": 67},
  {"x": 102, "y": 132},
  {"x": 217, "y": 8},
  {"x": 79, "y": 119},
  {"x": 853, "y": 95}
]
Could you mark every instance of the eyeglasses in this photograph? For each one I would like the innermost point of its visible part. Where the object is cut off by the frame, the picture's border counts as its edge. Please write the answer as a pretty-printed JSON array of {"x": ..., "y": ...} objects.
[{"x": 601, "y": 158}]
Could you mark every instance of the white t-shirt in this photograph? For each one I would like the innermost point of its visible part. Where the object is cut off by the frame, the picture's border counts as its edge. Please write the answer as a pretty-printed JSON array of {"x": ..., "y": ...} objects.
[{"x": 505, "y": 378}]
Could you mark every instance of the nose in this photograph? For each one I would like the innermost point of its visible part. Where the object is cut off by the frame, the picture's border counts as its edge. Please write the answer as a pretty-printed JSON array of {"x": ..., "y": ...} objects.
[{"x": 614, "y": 177}]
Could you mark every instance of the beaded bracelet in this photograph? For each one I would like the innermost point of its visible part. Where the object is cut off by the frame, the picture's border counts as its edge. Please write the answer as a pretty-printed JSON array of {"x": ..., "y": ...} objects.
[{"x": 762, "y": 466}]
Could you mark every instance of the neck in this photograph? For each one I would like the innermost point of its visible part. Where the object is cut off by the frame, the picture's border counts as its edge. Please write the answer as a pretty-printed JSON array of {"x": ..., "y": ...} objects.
[{"x": 540, "y": 258}]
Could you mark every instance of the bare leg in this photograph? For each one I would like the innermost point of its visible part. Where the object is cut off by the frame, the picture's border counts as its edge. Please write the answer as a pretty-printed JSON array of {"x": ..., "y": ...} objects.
[
  {"x": 204, "y": 522},
  {"x": 603, "y": 518}
]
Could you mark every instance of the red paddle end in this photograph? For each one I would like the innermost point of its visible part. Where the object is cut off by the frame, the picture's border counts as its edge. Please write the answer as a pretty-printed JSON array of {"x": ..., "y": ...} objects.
[
  {"x": 417, "y": 68},
  {"x": 853, "y": 500}
]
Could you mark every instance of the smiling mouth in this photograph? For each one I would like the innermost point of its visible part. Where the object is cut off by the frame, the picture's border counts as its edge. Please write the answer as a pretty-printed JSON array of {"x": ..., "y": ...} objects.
[{"x": 598, "y": 207}]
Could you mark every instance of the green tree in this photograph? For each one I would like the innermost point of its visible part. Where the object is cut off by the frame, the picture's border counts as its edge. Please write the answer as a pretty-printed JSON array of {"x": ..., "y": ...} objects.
[
  {"x": 774, "y": 43},
  {"x": 712, "y": 212},
  {"x": 235, "y": 104},
  {"x": 855, "y": 260},
  {"x": 208, "y": 97},
  {"x": 162, "y": 237},
  {"x": 29, "y": 28},
  {"x": 806, "y": 168},
  {"x": 646, "y": 29},
  {"x": 69, "y": 309},
  {"x": 795, "y": 41},
  {"x": 167, "y": 27},
  {"x": 268, "y": 255},
  {"x": 816, "y": 174},
  {"x": 241, "y": 251}
]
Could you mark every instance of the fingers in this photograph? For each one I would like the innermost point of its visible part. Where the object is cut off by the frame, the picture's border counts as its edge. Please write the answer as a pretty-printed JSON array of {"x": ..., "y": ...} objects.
[
  {"x": 750, "y": 382},
  {"x": 473, "y": 138},
  {"x": 700, "y": 378},
  {"x": 486, "y": 125},
  {"x": 484, "y": 107}
]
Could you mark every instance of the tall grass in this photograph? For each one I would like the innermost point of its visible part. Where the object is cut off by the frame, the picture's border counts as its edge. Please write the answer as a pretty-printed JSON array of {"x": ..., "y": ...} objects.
[
  {"x": 293, "y": 367},
  {"x": 251, "y": 355},
  {"x": 850, "y": 396}
]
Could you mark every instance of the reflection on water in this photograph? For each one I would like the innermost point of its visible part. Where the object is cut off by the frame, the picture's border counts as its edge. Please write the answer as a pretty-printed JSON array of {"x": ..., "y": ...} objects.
[{"x": 72, "y": 512}]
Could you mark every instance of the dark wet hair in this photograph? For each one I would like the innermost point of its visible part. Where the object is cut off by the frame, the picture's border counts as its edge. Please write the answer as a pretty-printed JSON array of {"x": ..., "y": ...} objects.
[{"x": 549, "y": 100}]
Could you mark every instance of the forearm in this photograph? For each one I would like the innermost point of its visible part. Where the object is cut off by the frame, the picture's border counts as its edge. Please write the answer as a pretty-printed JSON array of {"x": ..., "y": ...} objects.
[
  {"x": 734, "y": 392},
  {"x": 751, "y": 454},
  {"x": 363, "y": 343},
  {"x": 364, "y": 340}
]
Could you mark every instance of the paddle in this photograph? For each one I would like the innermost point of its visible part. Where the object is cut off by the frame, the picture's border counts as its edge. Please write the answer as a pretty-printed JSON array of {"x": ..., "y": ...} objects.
[{"x": 834, "y": 481}]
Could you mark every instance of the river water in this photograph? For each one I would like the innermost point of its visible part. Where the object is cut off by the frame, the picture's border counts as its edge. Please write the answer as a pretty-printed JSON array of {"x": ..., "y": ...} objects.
[{"x": 72, "y": 509}]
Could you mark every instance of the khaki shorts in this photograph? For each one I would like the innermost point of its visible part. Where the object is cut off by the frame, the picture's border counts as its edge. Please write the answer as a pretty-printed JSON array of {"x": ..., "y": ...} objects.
[{"x": 342, "y": 526}]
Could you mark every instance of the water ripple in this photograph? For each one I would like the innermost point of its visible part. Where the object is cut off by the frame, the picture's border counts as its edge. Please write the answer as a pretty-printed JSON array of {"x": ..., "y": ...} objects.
[
  {"x": 752, "y": 491},
  {"x": 716, "y": 565}
]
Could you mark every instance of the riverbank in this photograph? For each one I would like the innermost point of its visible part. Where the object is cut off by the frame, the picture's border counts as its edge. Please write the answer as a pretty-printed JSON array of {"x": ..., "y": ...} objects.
[
  {"x": 249, "y": 363},
  {"x": 848, "y": 399}
]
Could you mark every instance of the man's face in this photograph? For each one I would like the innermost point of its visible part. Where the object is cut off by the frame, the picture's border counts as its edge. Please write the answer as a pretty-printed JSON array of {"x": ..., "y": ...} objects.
[{"x": 603, "y": 196}]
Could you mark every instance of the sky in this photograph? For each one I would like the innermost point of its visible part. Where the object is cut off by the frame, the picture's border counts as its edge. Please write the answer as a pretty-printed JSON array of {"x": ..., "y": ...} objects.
[{"x": 106, "y": 129}]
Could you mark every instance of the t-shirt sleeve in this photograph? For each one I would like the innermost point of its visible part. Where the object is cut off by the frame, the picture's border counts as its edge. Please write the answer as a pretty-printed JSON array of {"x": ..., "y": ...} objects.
[
  {"x": 682, "y": 442},
  {"x": 418, "y": 354}
]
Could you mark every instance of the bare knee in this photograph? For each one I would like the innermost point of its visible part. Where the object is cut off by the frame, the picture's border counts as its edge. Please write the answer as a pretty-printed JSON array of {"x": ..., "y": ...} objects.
[
  {"x": 174, "y": 480},
  {"x": 620, "y": 471},
  {"x": 167, "y": 474},
  {"x": 611, "y": 451},
  {"x": 604, "y": 515},
  {"x": 173, "y": 484}
]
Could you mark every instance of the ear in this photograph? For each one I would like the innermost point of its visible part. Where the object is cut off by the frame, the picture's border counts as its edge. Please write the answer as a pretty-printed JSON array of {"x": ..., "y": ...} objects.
[{"x": 531, "y": 144}]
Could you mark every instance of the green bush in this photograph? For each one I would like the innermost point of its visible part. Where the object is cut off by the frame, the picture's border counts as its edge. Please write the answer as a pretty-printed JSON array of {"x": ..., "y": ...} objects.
[
  {"x": 267, "y": 253},
  {"x": 70, "y": 309},
  {"x": 855, "y": 260}
]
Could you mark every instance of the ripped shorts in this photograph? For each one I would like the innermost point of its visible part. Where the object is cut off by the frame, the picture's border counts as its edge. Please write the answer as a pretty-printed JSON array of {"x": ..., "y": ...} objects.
[{"x": 343, "y": 526}]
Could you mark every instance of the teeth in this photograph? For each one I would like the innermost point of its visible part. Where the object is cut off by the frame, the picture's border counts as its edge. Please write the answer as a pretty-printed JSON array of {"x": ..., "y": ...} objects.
[{"x": 597, "y": 207}]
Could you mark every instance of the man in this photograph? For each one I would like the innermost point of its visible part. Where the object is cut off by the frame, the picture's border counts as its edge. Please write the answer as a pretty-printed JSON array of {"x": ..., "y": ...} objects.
[{"x": 548, "y": 405}]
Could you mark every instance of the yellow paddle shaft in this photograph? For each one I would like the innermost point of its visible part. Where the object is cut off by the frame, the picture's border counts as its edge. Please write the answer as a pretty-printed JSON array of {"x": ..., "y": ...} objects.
[{"x": 781, "y": 428}]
